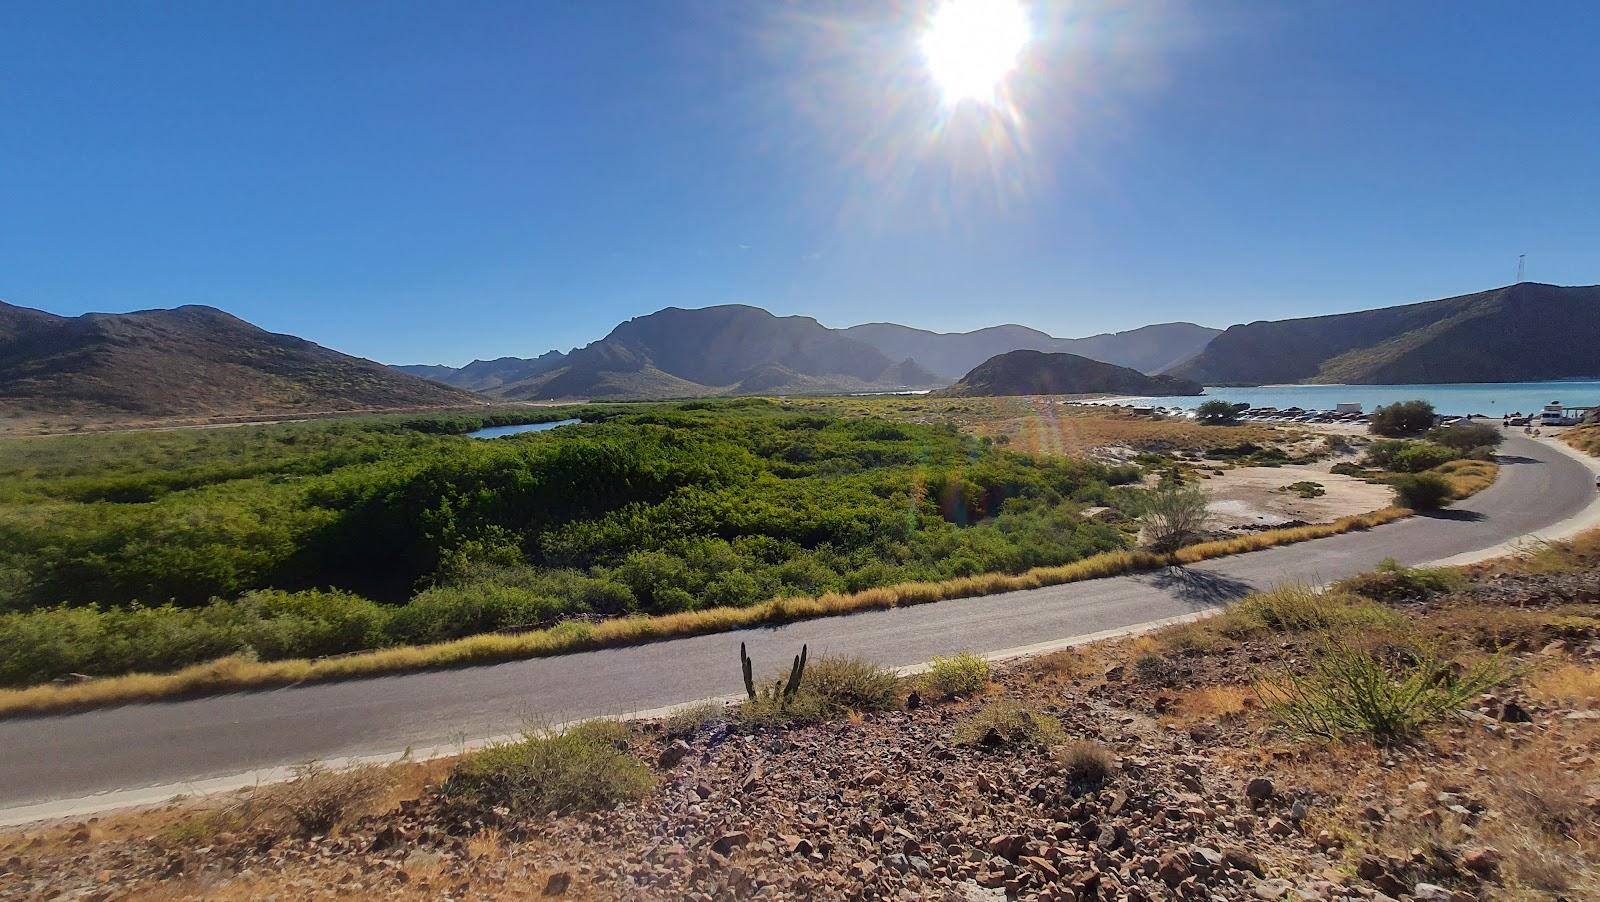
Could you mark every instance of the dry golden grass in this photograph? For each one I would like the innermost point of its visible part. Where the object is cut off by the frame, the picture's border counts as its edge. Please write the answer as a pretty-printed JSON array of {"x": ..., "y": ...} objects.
[
  {"x": 1212, "y": 702},
  {"x": 1584, "y": 438},
  {"x": 1053, "y": 425},
  {"x": 1568, "y": 684},
  {"x": 1272, "y": 538},
  {"x": 1468, "y": 477}
]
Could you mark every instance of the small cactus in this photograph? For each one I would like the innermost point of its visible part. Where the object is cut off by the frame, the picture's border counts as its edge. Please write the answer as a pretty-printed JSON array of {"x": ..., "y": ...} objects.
[
  {"x": 796, "y": 672},
  {"x": 781, "y": 689},
  {"x": 749, "y": 678}
]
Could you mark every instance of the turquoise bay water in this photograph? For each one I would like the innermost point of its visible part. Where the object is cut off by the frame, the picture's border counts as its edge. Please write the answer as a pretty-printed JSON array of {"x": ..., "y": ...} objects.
[
  {"x": 497, "y": 431},
  {"x": 1488, "y": 398}
]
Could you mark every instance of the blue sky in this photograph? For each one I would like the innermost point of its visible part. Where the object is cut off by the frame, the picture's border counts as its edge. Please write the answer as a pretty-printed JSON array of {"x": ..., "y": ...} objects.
[{"x": 434, "y": 182}]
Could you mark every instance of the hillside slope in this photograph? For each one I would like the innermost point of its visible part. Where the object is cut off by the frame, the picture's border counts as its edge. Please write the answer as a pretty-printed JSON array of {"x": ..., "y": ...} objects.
[
  {"x": 1522, "y": 332},
  {"x": 190, "y": 361},
  {"x": 1038, "y": 373},
  {"x": 1149, "y": 349},
  {"x": 726, "y": 350},
  {"x": 488, "y": 375}
]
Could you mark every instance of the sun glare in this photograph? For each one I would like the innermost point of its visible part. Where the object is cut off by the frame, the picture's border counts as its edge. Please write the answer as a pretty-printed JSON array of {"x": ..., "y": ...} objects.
[{"x": 972, "y": 45}]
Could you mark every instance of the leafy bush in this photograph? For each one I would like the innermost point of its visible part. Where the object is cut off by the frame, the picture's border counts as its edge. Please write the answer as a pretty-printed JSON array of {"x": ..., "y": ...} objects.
[
  {"x": 155, "y": 551},
  {"x": 586, "y": 768},
  {"x": 962, "y": 674},
  {"x": 1346, "y": 468},
  {"x": 1005, "y": 722},
  {"x": 1392, "y": 582},
  {"x": 1217, "y": 413},
  {"x": 1351, "y": 692},
  {"x": 1466, "y": 437},
  {"x": 1402, "y": 418},
  {"x": 1306, "y": 489},
  {"x": 1416, "y": 457},
  {"x": 1173, "y": 516},
  {"x": 1422, "y": 491},
  {"x": 1408, "y": 456}
]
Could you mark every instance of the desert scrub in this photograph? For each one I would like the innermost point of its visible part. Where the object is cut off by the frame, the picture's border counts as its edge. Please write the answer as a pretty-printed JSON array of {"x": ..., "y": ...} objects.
[
  {"x": 585, "y": 768},
  {"x": 852, "y": 684},
  {"x": 1296, "y": 607},
  {"x": 317, "y": 799},
  {"x": 1348, "y": 691},
  {"x": 831, "y": 687},
  {"x": 1173, "y": 515},
  {"x": 1005, "y": 722},
  {"x": 1392, "y": 582},
  {"x": 1088, "y": 764},
  {"x": 962, "y": 674}
]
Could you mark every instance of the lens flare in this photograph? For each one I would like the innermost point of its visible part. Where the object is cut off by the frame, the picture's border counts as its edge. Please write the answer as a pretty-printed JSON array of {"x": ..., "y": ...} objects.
[{"x": 971, "y": 46}]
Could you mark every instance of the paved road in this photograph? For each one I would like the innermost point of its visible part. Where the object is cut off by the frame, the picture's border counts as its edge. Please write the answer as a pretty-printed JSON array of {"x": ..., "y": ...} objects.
[{"x": 48, "y": 759}]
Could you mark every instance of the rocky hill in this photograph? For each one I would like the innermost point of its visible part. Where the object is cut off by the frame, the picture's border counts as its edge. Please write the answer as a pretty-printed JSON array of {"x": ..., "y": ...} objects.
[
  {"x": 1148, "y": 349},
  {"x": 487, "y": 376},
  {"x": 725, "y": 350},
  {"x": 190, "y": 361},
  {"x": 1038, "y": 373},
  {"x": 1522, "y": 332}
]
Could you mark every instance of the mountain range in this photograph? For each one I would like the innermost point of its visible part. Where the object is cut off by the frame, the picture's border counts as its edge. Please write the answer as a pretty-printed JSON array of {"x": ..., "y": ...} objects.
[
  {"x": 197, "y": 361},
  {"x": 1519, "y": 333},
  {"x": 1041, "y": 373},
  {"x": 189, "y": 361},
  {"x": 735, "y": 349},
  {"x": 1148, "y": 349}
]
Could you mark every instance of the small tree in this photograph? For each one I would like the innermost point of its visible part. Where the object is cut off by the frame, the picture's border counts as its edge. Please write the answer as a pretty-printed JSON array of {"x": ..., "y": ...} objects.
[
  {"x": 1174, "y": 515},
  {"x": 1402, "y": 418},
  {"x": 1466, "y": 437},
  {"x": 1217, "y": 413}
]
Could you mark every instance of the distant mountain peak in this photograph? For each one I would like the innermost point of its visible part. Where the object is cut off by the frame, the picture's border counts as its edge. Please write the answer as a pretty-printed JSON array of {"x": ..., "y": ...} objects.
[{"x": 1043, "y": 373}]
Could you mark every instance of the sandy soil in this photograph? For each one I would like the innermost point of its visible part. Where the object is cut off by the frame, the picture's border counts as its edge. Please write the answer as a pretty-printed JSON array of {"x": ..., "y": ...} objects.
[{"x": 1254, "y": 496}]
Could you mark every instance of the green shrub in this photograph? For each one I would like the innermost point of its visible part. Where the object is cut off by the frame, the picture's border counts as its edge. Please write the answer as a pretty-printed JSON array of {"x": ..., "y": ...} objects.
[
  {"x": 1005, "y": 722},
  {"x": 1402, "y": 418},
  {"x": 962, "y": 674},
  {"x": 1416, "y": 457},
  {"x": 1392, "y": 582},
  {"x": 1346, "y": 468},
  {"x": 1466, "y": 437},
  {"x": 1173, "y": 516},
  {"x": 1306, "y": 489},
  {"x": 1422, "y": 491},
  {"x": 1348, "y": 691},
  {"x": 1216, "y": 413},
  {"x": 586, "y": 768}
]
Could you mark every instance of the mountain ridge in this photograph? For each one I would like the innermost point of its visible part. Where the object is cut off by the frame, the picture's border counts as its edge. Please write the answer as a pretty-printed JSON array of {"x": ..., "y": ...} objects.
[
  {"x": 188, "y": 361},
  {"x": 1029, "y": 372},
  {"x": 1517, "y": 333}
]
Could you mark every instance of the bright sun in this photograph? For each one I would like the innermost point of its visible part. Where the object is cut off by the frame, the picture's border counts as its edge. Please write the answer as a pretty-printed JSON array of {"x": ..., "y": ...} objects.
[{"x": 972, "y": 45}]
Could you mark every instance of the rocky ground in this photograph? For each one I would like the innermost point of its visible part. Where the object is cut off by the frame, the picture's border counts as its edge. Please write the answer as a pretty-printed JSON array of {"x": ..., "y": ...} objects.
[{"x": 1204, "y": 798}]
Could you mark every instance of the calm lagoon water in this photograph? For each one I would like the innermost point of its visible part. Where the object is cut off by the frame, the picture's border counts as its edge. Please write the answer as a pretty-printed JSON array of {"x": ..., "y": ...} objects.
[
  {"x": 498, "y": 431},
  {"x": 1488, "y": 398}
]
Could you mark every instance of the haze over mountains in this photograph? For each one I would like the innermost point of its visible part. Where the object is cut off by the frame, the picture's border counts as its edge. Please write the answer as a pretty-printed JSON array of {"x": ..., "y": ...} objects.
[
  {"x": 187, "y": 361},
  {"x": 1040, "y": 373},
  {"x": 1148, "y": 349},
  {"x": 735, "y": 349},
  {"x": 201, "y": 362},
  {"x": 1519, "y": 333}
]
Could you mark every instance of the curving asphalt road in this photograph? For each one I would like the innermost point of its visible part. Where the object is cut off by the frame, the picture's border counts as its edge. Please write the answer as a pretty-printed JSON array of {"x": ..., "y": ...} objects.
[{"x": 72, "y": 764}]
